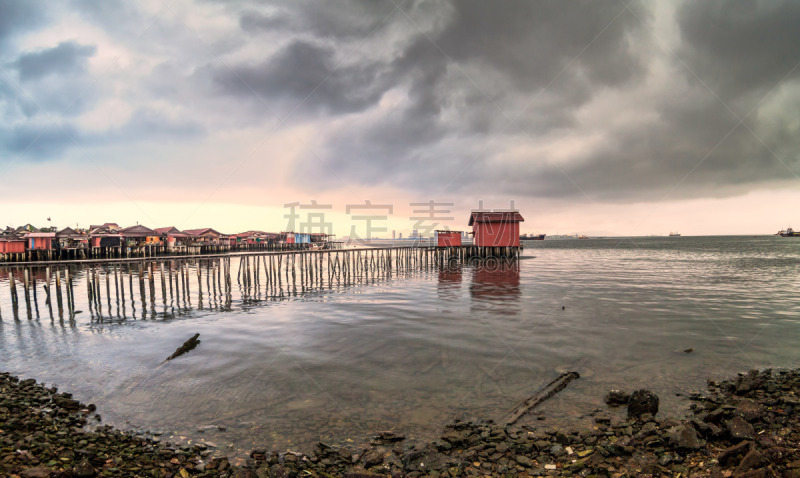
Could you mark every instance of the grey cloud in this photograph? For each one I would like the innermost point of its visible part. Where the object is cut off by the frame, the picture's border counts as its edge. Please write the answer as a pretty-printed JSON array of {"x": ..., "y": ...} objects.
[
  {"x": 739, "y": 47},
  {"x": 54, "y": 80},
  {"x": 38, "y": 142},
  {"x": 474, "y": 76},
  {"x": 148, "y": 125},
  {"x": 302, "y": 69},
  {"x": 349, "y": 19},
  {"x": 17, "y": 16},
  {"x": 529, "y": 45},
  {"x": 68, "y": 58}
]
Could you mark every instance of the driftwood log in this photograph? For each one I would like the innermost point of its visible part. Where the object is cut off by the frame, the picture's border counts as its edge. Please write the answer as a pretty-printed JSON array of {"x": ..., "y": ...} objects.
[
  {"x": 536, "y": 399},
  {"x": 187, "y": 346}
]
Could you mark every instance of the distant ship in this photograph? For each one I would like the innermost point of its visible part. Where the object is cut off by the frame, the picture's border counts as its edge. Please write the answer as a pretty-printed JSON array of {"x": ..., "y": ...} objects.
[
  {"x": 789, "y": 233},
  {"x": 583, "y": 237},
  {"x": 532, "y": 237},
  {"x": 674, "y": 234}
]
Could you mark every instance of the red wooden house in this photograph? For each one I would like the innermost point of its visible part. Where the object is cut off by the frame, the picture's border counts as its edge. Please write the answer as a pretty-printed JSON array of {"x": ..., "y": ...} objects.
[
  {"x": 12, "y": 245},
  {"x": 448, "y": 238},
  {"x": 495, "y": 228},
  {"x": 204, "y": 236},
  {"x": 170, "y": 235},
  {"x": 138, "y": 235},
  {"x": 40, "y": 240}
]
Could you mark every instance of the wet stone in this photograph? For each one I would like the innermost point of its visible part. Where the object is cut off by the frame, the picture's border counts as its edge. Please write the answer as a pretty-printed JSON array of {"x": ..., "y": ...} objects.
[
  {"x": 642, "y": 402},
  {"x": 739, "y": 429},
  {"x": 616, "y": 398}
]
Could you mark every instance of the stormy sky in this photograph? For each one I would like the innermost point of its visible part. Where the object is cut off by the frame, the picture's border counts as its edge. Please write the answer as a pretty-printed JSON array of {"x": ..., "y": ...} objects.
[{"x": 611, "y": 117}]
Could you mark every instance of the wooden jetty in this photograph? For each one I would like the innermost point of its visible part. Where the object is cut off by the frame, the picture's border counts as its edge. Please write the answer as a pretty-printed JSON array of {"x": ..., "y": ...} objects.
[
  {"x": 147, "y": 250},
  {"x": 151, "y": 287}
]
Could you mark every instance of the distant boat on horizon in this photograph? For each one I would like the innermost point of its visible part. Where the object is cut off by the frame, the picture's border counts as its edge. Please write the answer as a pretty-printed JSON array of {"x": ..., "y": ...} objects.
[
  {"x": 789, "y": 233},
  {"x": 532, "y": 237},
  {"x": 674, "y": 234}
]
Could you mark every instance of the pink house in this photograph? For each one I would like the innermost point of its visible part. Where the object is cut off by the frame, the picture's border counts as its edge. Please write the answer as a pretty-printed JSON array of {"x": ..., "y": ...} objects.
[
  {"x": 12, "y": 245},
  {"x": 40, "y": 240}
]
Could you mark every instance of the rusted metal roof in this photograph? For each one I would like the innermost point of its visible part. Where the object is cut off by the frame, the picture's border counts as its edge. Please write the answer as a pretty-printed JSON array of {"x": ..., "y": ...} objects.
[
  {"x": 495, "y": 216},
  {"x": 137, "y": 231},
  {"x": 71, "y": 233},
  {"x": 40, "y": 234},
  {"x": 201, "y": 232},
  {"x": 170, "y": 231}
]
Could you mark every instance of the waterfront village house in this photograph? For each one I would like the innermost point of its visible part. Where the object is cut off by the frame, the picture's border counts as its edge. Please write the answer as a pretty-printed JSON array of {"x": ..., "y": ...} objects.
[
  {"x": 110, "y": 226},
  {"x": 319, "y": 237},
  {"x": 69, "y": 238},
  {"x": 448, "y": 238},
  {"x": 203, "y": 236},
  {"x": 11, "y": 244},
  {"x": 255, "y": 237},
  {"x": 102, "y": 236},
  {"x": 138, "y": 235},
  {"x": 170, "y": 236},
  {"x": 40, "y": 241},
  {"x": 495, "y": 228},
  {"x": 26, "y": 228}
]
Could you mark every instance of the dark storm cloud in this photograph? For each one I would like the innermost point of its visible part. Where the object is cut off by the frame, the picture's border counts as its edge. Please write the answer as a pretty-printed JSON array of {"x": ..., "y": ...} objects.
[
  {"x": 19, "y": 16},
  {"x": 302, "y": 69},
  {"x": 473, "y": 76},
  {"x": 564, "y": 56},
  {"x": 350, "y": 19},
  {"x": 53, "y": 80},
  {"x": 740, "y": 47},
  {"x": 68, "y": 58},
  {"x": 615, "y": 100},
  {"x": 37, "y": 142}
]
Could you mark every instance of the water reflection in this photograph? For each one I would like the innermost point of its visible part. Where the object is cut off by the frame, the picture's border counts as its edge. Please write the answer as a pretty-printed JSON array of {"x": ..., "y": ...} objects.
[
  {"x": 407, "y": 347},
  {"x": 449, "y": 280},
  {"x": 496, "y": 286}
]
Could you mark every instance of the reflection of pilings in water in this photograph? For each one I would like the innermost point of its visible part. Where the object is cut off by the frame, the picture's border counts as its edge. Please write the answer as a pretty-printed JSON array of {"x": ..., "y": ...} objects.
[
  {"x": 116, "y": 288},
  {"x": 47, "y": 287},
  {"x": 35, "y": 295},
  {"x": 26, "y": 288},
  {"x": 259, "y": 277},
  {"x": 199, "y": 286},
  {"x": 142, "y": 293},
  {"x": 163, "y": 285},
  {"x": 151, "y": 279},
  {"x": 108, "y": 291}
]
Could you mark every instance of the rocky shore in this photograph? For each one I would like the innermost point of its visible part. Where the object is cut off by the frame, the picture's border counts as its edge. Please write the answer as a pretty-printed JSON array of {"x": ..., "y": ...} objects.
[{"x": 745, "y": 427}]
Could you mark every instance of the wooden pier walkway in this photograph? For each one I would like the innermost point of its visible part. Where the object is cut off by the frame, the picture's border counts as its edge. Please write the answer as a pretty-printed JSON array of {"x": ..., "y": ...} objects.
[
  {"x": 147, "y": 250},
  {"x": 167, "y": 286}
]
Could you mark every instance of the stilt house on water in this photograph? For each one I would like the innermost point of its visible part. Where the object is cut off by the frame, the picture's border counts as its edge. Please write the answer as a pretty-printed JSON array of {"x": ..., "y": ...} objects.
[
  {"x": 495, "y": 228},
  {"x": 448, "y": 238}
]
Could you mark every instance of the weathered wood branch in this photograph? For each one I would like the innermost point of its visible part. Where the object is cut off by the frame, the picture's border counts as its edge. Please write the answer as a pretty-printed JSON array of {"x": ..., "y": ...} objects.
[
  {"x": 187, "y": 346},
  {"x": 545, "y": 393}
]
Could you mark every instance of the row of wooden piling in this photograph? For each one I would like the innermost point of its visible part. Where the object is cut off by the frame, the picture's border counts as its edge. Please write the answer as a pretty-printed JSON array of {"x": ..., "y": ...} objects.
[{"x": 112, "y": 286}]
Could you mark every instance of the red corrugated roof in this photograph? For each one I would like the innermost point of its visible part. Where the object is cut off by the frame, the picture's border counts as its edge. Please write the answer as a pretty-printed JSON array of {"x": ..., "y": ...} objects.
[{"x": 494, "y": 216}]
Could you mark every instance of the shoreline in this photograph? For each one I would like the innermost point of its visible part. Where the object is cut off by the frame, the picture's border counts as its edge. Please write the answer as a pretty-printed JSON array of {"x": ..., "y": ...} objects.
[{"x": 747, "y": 426}]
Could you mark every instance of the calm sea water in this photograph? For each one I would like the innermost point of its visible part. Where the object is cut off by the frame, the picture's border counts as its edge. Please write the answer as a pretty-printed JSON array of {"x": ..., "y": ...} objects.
[{"x": 411, "y": 352}]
